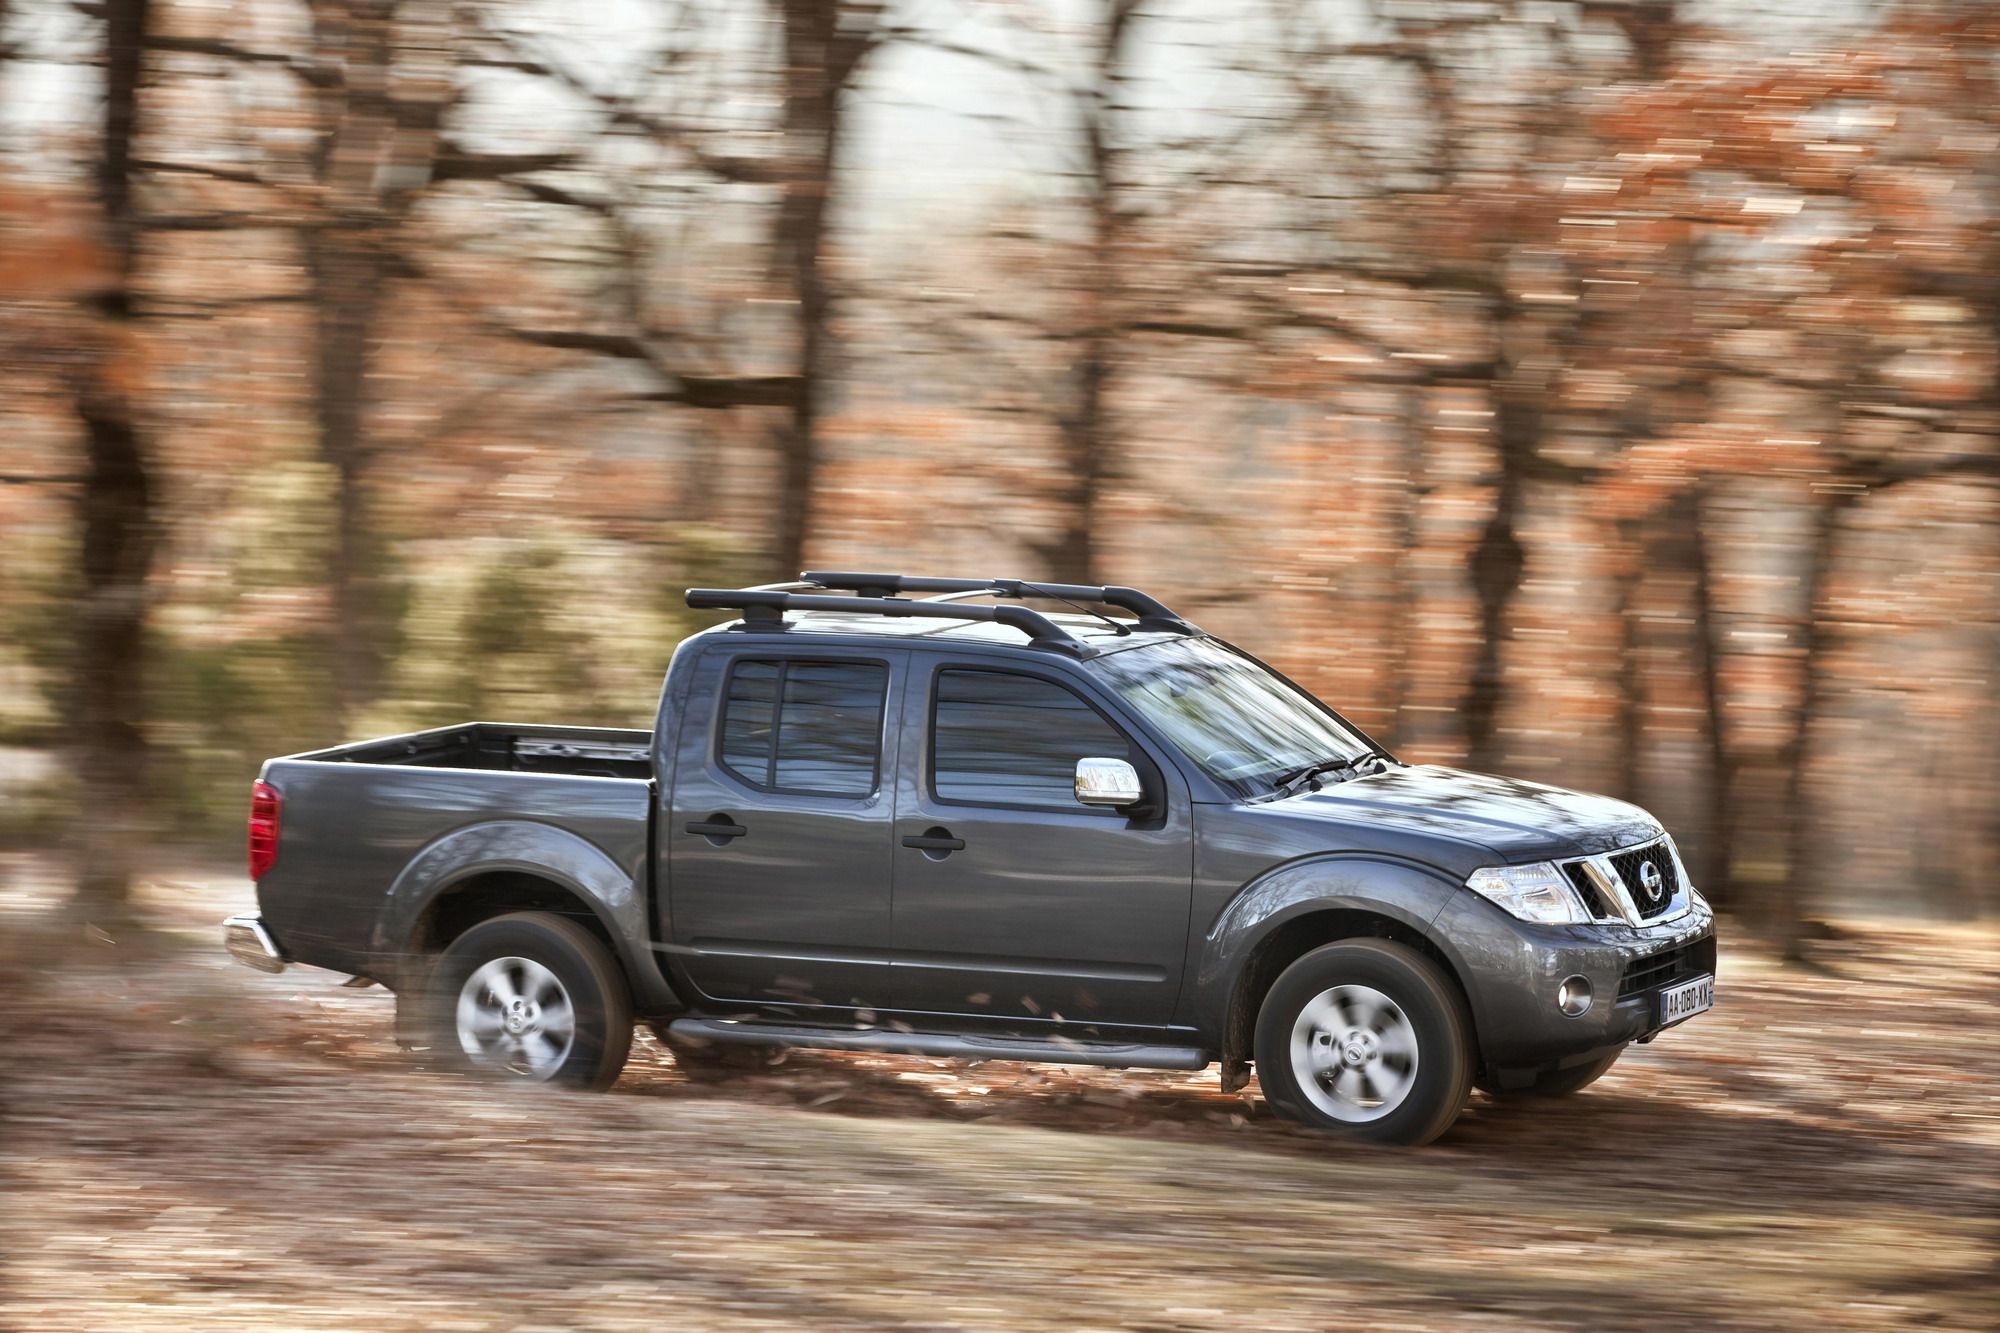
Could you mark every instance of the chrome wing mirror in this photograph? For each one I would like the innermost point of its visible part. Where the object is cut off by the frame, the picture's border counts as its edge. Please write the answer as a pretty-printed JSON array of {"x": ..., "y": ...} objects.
[{"x": 1107, "y": 782}]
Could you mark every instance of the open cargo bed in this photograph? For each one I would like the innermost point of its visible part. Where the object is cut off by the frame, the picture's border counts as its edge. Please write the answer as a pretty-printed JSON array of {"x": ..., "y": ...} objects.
[{"x": 506, "y": 747}]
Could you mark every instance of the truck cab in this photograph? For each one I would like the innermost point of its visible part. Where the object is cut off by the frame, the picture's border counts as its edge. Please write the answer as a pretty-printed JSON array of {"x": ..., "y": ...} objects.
[{"x": 886, "y": 812}]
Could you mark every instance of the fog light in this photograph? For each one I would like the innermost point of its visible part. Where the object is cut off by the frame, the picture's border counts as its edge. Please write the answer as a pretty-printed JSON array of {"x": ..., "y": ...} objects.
[{"x": 1574, "y": 997}]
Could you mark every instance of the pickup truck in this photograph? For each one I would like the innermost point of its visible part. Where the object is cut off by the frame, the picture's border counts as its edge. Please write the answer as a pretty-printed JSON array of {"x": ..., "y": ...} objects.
[{"x": 890, "y": 813}]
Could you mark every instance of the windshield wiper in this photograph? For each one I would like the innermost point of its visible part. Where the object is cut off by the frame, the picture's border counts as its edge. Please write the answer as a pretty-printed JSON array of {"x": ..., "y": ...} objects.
[{"x": 1293, "y": 781}]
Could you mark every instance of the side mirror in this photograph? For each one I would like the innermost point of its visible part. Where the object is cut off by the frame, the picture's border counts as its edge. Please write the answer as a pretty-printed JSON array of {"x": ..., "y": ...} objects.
[{"x": 1107, "y": 782}]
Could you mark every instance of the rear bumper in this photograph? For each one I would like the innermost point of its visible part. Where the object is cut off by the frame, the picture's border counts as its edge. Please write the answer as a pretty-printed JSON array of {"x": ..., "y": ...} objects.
[{"x": 251, "y": 945}]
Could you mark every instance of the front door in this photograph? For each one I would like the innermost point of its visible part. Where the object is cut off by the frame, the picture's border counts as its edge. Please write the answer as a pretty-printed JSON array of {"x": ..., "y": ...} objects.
[
  {"x": 1012, "y": 901},
  {"x": 777, "y": 840}
]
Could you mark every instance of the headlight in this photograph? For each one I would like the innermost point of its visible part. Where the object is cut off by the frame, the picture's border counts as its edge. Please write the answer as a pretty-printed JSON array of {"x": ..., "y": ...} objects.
[{"x": 1535, "y": 892}]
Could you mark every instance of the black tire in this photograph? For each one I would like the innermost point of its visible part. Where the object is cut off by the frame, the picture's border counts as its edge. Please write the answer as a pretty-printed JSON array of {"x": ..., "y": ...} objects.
[
  {"x": 599, "y": 1036},
  {"x": 1427, "y": 1014},
  {"x": 1557, "y": 1082}
]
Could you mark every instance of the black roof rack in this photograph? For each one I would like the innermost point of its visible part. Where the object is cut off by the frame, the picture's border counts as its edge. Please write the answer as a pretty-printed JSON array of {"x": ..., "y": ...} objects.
[
  {"x": 764, "y": 609},
  {"x": 875, "y": 594},
  {"x": 1153, "y": 614}
]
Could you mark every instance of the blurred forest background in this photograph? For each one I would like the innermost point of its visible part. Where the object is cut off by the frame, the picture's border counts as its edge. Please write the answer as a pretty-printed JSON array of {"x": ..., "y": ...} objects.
[{"x": 1600, "y": 391}]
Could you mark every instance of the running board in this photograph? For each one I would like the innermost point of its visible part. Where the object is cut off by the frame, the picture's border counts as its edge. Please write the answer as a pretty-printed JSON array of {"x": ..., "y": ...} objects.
[{"x": 1056, "y": 1050}]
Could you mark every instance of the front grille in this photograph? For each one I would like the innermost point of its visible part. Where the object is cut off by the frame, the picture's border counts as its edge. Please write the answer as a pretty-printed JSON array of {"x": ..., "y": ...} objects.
[
  {"x": 1668, "y": 967},
  {"x": 1631, "y": 865},
  {"x": 1593, "y": 901}
]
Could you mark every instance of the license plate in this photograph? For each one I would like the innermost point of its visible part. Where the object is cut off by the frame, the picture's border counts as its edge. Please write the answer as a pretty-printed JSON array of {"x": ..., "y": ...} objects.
[{"x": 1686, "y": 1000}]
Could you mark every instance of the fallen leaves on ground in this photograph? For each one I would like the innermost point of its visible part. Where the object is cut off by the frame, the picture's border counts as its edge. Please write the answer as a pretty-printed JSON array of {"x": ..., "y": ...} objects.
[{"x": 191, "y": 1145}]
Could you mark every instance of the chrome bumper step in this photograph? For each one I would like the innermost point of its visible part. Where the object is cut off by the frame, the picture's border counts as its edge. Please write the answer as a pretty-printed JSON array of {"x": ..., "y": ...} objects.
[{"x": 250, "y": 944}]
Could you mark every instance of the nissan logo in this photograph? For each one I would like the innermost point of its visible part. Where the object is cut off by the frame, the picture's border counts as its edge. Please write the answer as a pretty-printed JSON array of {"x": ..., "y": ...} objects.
[{"x": 1650, "y": 881}]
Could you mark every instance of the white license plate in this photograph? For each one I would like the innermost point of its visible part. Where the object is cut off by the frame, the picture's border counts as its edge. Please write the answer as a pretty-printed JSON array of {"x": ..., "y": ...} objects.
[{"x": 1686, "y": 1000}]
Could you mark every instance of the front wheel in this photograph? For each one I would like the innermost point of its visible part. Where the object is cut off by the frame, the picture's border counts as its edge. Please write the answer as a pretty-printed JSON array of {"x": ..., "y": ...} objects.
[
  {"x": 532, "y": 997},
  {"x": 1368, "y": 1039}
]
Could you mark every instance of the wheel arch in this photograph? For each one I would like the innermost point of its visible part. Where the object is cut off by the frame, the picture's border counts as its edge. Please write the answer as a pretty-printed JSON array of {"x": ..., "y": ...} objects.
[
  {"x": 490, "y": 869},
  {"x": 1295, "y": 909}
]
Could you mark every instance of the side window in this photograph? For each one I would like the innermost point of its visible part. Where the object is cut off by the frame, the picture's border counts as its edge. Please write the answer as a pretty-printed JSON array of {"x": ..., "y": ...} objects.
[
  {"x": 746, "y": 721},
  {"x": 813, "y": 727},
  {"x": 1003, "y": 739}
]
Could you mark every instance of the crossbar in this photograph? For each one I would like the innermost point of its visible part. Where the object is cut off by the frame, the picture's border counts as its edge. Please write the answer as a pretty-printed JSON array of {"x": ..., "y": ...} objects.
[
  {"x": 1153, "y": 613},
  {"x": 765, "y": 610}
]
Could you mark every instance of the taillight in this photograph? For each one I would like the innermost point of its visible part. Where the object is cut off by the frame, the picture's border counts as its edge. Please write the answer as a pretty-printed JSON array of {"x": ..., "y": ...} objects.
[{"x": 265, "y": 805}]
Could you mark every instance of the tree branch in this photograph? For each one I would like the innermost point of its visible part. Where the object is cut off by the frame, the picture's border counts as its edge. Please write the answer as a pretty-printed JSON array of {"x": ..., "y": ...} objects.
[{"x": 456, "y": 163}]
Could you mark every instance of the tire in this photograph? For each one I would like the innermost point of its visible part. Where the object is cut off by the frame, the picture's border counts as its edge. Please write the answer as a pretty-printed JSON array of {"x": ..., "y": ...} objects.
[
  {"x": 1557, "y": 1082},
  {"x": 531, "y": 997},
  {"x": 1381, "y": 1033}
]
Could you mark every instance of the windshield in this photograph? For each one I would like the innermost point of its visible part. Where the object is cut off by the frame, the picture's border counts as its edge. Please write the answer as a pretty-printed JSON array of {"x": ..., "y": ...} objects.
[{"x": 1241, "y": 722}]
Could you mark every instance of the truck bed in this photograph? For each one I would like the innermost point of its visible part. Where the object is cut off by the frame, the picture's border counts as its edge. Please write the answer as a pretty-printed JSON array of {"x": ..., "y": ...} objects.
[
  {"x": 368, "y": 826},
  {"x": 504, "y": 747}
]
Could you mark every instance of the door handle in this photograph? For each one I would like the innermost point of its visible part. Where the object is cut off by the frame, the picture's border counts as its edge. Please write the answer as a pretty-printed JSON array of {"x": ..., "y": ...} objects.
[
  {"x": 717, "y": 829},
  {"x": 935, "y": 840}
]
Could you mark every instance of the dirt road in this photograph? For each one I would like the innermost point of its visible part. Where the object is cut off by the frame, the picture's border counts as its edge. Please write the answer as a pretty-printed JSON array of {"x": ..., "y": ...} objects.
[{"x": 189, "y": 1145}]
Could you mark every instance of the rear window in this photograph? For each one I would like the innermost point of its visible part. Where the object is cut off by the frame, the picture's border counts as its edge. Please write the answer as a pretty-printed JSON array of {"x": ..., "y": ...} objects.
[{"x": 810, "y": 727}]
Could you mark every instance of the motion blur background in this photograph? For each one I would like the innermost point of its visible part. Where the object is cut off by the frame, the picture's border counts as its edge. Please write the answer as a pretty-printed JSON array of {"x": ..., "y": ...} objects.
[
  {"x": 1598, "y": 391},
  {"x": 1602, "y": 392}
]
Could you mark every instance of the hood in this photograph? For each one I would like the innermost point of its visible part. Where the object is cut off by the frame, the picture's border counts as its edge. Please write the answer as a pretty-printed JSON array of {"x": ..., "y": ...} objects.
[{"x": 1516, "y": 820}]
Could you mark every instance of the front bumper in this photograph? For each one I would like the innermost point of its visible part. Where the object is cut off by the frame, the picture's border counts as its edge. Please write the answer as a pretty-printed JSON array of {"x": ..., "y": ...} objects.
[
  {"x": 250, "y": 944},
  {"x": 1514, "y": 971}
]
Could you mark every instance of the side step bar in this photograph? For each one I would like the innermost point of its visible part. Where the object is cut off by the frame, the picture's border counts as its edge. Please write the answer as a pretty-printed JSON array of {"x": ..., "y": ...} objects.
[{"x": 1059, "y": 1050}]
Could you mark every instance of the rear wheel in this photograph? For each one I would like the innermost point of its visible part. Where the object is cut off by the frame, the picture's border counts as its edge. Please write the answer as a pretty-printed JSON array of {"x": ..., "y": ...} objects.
[
  {"x": 534, "y": 998},
  {"x": 1367, "y": 1039},
  {"x": 1558, "y": 1082}
]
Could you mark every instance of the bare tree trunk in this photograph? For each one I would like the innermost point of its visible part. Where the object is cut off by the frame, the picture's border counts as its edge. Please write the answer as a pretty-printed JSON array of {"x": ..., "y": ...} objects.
[
  {"x": 821, "y": 57},
  {"x": 346, "y": 281},
  {"x": 1982, "y": 891},
  {"x": 345, "y": 277},
  {"x": 376, "y": 152},
  {"x": 1404, "y": 590},
  {"x": 1087, "y": 444},
  {"x": 1689, "y": 515},
  {"x": 118, "y": 536},
  {"x": 1797, "y": 817},
  {"x": 1631, "y": 676},
  {"x": 811, "y": 123},
  {"x": 1498, "y": 563}
]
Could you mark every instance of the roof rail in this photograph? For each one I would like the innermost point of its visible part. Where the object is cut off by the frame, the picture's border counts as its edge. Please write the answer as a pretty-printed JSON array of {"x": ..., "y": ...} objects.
[
  {"x": 1153, "y": 614},
  {"x": 764, "y": 609}
]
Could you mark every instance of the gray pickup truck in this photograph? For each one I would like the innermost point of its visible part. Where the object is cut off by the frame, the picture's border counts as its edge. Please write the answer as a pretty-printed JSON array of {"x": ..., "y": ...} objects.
[{"x": 880, "y": 812}]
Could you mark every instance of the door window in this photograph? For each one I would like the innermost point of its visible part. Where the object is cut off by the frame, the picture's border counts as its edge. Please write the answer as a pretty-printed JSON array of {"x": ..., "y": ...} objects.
[
  {"x": 808, "y": 727},
  {"x": 1003, "y": 739}
]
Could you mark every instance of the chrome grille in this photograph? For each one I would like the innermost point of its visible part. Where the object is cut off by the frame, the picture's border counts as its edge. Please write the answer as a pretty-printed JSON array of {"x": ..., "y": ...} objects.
[
  {"x": 1664, "y": 881},
  {"x": 1593, "y": 901},
  {"x": 1617, "y": 886}
]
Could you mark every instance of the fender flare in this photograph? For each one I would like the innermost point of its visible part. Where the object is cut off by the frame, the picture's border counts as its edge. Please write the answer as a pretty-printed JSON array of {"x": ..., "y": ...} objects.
[
  {"x": 1409, "y": 893},
  {"x": 522, "y": 846}
]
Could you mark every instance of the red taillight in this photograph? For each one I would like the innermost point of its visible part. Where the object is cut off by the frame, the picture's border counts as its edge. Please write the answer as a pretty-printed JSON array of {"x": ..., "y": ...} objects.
[{"x": 265, "y": 805}]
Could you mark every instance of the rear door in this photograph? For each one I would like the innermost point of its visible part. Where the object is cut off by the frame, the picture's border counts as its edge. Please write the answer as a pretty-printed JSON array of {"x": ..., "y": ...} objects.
[
  {"x": 1012, "y": 901},
  {"x": 778, "y": 844}
]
